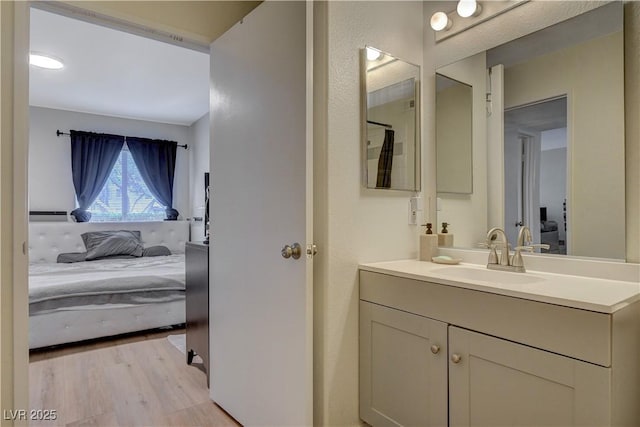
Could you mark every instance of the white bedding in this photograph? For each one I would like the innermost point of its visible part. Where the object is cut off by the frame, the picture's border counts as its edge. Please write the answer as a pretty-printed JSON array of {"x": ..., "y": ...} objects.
[{"x": 141, "y": 280}]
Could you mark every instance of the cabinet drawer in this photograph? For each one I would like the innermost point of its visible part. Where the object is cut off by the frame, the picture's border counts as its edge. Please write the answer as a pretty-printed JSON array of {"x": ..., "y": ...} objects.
[{"x": 581, "y": 334}]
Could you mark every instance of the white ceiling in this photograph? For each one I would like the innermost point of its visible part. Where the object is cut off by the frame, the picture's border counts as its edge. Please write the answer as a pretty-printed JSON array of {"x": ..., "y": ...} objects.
[{"x": 112, "y": 73}]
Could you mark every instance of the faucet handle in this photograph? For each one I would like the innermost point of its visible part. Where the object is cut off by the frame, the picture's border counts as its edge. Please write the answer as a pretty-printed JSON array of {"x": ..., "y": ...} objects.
[
  {"x": 517, "y": 260},
  {"x": 493, "y": 255},
  {"x": 540, "y": 245}
]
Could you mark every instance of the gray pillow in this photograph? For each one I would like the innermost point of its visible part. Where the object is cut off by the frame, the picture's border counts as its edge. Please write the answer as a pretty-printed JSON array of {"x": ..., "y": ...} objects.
[
  {"x": 70, "y": 257},
  {"x": 156, "y": 251},
  {"x": 101, "y": 244}
]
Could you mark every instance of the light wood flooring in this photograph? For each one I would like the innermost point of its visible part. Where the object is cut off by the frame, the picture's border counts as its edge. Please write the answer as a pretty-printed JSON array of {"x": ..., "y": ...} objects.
[{"x": 139, "y": 380}]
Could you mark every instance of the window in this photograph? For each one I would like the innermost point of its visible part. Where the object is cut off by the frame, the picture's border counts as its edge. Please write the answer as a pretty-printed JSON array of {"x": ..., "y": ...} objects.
[{"x": 125, "y": 196}]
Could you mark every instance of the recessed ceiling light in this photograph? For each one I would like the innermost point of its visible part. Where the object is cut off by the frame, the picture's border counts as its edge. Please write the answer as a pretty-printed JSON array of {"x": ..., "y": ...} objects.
[{"x": 44, "y": 60}]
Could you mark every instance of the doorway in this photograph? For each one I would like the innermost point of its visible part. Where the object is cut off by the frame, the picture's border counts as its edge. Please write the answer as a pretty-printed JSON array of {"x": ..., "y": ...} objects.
[
  {"x": 536, "y": 170},
  {"x": 117, "y": 83}
]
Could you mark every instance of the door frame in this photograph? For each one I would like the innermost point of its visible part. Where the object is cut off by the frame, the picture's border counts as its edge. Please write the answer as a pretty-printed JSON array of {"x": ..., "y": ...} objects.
[{"x": 14, "y": 343}]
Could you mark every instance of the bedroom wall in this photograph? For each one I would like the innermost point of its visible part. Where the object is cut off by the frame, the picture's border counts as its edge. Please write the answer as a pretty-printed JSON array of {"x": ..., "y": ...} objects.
[
  {"x": 199, "y": 164},
  {"x": 50, "y": 181}
]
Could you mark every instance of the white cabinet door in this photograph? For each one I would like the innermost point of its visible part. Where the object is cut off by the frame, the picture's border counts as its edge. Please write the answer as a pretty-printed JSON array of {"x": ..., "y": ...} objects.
[
  {"x": 403, "y": 368},
  {"x": 494, "y": 382}
]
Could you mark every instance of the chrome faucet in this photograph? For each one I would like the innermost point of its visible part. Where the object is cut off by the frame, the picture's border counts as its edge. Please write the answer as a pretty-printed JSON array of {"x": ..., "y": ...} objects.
[{"x": 524, "y": 244}]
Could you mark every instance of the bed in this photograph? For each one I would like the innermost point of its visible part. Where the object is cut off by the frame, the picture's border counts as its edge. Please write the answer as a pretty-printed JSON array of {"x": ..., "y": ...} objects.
[{"x": 104, "y": 297}]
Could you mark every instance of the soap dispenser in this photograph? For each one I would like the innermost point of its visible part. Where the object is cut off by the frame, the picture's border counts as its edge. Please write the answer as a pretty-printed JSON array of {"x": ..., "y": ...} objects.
[
  {"x": 445, "y": 239},
  {"x": 428, "y": 244}
]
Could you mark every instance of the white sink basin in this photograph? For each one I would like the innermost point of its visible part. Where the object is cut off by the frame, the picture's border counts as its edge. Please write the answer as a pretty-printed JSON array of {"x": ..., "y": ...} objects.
[{"x": 490, "y": 276}]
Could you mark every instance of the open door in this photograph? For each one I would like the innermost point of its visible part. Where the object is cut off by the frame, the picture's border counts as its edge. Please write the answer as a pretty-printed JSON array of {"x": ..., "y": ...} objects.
[{"x": 261, "y": 223}]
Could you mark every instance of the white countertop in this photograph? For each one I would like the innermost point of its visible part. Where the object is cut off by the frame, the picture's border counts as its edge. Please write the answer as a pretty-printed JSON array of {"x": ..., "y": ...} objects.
[{"x": 600, "y": 295}]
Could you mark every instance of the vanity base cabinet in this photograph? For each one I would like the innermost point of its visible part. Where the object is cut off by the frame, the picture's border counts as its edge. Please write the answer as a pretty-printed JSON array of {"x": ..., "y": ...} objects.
[
  {"x": 502, "y": 361},
  {"x": 495, "y": 382},
  {"x": 403, "y": 368}
]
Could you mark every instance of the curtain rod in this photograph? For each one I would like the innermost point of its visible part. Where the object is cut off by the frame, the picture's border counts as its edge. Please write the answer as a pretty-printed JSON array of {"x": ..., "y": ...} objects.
[
  {"x": 60, "y": 133},
  {"x": 380, "y": 124}
]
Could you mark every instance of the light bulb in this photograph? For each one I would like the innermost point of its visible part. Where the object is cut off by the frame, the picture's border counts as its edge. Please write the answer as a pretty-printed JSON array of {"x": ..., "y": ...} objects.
[
  {"x": 373, "y": 55},
  {"x": 440, "y": 21},
  {"x": 467, "y": 8}
]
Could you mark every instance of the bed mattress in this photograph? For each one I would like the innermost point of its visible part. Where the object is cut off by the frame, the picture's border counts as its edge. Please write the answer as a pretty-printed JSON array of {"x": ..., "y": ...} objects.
[
  {"x": 71, "y": 302},
  {"x": 141, "y": 280}
]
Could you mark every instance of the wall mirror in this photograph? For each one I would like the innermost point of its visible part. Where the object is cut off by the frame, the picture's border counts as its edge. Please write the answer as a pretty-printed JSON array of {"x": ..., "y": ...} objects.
[
  {"x": 559, "y": 93},
  {"x": 391, "y": 126},
  {"x": 454, "y": 112}
]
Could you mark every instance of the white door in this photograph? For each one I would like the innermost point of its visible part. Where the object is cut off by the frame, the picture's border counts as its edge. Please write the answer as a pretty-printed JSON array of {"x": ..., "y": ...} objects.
[{"x": 261, "y": 145}]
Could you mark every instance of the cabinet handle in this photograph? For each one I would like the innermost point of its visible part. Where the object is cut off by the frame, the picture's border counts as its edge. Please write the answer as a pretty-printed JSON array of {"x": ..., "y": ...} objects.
[
  {"x": 435, "y": 349},
  {"x": 456, "y": 358}
]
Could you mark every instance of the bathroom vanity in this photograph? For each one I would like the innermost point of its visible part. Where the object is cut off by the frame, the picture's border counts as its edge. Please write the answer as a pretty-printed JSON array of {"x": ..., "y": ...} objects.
[{"x": 462, "y": 345}]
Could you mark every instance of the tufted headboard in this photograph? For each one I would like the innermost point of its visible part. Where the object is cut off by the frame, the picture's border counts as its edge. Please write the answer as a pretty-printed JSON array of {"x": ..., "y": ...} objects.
[{"x": 48, "y": 239}]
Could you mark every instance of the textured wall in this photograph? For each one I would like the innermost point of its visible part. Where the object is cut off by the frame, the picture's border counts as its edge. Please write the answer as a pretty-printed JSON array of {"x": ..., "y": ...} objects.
[{"x": 353, "y": 224}]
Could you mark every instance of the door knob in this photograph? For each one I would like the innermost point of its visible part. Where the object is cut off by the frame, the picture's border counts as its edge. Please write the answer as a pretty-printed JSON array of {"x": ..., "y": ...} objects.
[
  {"x": 456, "y": 358},
  {"x": 292, "y": 251},
  {"x": 435, "y": 349}
]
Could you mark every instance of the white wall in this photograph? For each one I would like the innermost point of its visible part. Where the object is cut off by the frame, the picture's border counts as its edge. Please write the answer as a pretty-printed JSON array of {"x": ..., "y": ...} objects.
[
  {"x": 199, "y": 164},
  {"x": 352, "y": 225},
  {"x": 50, "y": 180},
  {"x": 632, "y": 127}
]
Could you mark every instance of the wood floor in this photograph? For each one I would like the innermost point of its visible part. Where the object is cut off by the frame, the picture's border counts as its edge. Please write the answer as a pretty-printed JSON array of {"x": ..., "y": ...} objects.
[{"x": 139, "y": 380}]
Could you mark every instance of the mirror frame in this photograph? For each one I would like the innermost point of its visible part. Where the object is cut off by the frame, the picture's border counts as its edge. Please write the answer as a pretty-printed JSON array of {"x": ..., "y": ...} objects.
[{"x": 417, "y": 175}]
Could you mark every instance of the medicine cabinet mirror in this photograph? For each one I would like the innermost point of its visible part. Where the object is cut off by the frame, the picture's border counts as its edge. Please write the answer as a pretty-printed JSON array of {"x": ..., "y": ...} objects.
[
  {"x": 390, "y": 123},
  {"x": 454, "y": 162}
]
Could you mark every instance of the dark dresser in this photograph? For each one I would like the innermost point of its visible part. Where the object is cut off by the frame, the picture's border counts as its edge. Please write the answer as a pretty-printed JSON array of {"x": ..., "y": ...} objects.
[{"x": 197, "y": 302}]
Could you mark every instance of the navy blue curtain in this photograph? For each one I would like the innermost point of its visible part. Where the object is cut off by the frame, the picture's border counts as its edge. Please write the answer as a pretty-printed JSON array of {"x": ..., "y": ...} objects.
[
  {"x": 92, "y": 158},
  {"x": 156, "y": 161},
  {"x": 385, "y": 161}
]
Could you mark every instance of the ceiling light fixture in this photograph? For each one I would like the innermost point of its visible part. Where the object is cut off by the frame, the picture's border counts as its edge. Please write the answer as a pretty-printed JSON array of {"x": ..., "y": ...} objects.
[
  {"x": 440, "y": 21},
  {"x": 373, "y": 55},
  {"x": 468, "y": 8},
  {"x": 43, "y": 60}
]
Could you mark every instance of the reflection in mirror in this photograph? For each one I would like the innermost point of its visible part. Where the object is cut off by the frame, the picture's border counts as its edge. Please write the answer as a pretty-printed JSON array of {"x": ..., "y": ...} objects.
[
  {"x": 570, "y": 192},
  {"x": 390, "y": 139},
  {"x": 453, "y": 136},
  {"x": 535, "y": 172}
]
